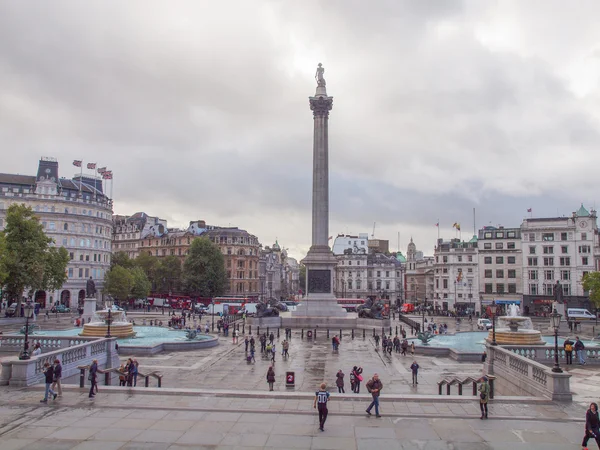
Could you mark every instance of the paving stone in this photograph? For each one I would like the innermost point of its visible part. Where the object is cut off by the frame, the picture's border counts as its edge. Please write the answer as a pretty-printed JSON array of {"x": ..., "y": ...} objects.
[{"x": 158, "y": 436}]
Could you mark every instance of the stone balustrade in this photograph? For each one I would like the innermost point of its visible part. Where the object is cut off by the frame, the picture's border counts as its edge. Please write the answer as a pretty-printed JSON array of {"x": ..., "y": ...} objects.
[
  {"x": 15, "y": 343},
  {"x": 519, "y": 375},
  {"x": 545, "y": 354},
  {"x": 16, "y": 372}
]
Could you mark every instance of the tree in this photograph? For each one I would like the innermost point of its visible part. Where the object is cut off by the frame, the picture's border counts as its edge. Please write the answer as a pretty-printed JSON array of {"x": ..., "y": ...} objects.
[
  {"x": 118, "y": 282},
  {"x": 204, "y": 269},
  {"x": 29, "y": 259},
  {"x": 3, "y": 273},
  {"x": 168, "y": 274},
  {"x": 141, "y": 285},
  {"x": 121, "y": 259},
  {"x": 591, "y": 283},
  {"x": 149, "y": 264},
  {"x": 302, "y": 278}
]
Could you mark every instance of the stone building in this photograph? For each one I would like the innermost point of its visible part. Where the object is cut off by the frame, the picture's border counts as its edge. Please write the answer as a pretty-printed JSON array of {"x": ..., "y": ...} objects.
[
  {"x": 160, "y": 241},
  {"x": 279, "y": 274},
  {"x": 384, "y": 277},
  {"x": 351, "y": 280},
  {"x": 76, "y": 214},
  {"x": 130, "y": 231},
  {"x": 456, "y": 275}
]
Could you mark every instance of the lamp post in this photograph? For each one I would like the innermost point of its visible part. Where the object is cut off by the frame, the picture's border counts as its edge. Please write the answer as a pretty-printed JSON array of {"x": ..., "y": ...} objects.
[
  {"x": 109, "y": 318},
  {"x": 493, "y": 309},
  {"x": 213, "y": 315},
  {"x": 556, "y": 323},
  {"x": 471, "y": 309},
  {"x": 28, "y": 310}
]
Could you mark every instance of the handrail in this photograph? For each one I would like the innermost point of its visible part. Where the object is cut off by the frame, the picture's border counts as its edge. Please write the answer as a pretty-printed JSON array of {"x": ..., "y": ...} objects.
[
  {"x": 107, "y": 372},
  {"x": 449, "y": 381}
]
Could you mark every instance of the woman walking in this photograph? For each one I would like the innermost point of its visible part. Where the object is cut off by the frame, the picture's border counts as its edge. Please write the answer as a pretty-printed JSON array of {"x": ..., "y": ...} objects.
[
  {"x": 592, "y": 426},
  {"x": 356, "y": 371},
  {"x": 93, "y": 377},
  {"x": 271, "y": 377},
  {"x": 339, "y": 382},
  {"x": 484, "y": 395}
]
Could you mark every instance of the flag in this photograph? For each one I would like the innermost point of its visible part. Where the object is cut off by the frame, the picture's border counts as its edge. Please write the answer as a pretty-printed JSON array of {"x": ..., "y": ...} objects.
[
  {"x": 77, "y": 163},
  {"x": 91, "y": 165},
  {"x": 107, "y": 175},
  {"x": 437, "y": 224},
  {"x": 456, "y": 225},
  {"x": 528, "y": 209},
  {"x": 102, "y": 170}
]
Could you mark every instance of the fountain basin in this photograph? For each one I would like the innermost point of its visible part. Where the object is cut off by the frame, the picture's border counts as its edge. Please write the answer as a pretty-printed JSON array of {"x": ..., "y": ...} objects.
[
  {"x": 118, "y": 330},
  {"x": 505, "y": 336}
]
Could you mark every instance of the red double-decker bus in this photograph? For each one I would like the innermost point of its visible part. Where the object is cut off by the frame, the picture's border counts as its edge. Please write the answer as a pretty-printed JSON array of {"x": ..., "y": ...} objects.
[{"x": 350, "y": 304}]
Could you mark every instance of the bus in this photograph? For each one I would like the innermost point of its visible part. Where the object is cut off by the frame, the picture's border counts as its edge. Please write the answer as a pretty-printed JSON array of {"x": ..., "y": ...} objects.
[
  {"x": 233, "y": 305},
  {"x": 350, "y": 304}
]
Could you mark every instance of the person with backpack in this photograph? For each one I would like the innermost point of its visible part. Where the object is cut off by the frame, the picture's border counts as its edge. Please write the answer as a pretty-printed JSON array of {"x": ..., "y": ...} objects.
[
  {"x": 580, "y": 350},
  {"x": 568, "y": 346},
  {"x": 374, "y": 386},
  {"x": 321, "y": 399}
]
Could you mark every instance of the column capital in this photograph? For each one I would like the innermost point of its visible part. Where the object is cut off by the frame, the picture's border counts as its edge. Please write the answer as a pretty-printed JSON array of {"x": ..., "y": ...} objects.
[{"x": 320, "y": 106}]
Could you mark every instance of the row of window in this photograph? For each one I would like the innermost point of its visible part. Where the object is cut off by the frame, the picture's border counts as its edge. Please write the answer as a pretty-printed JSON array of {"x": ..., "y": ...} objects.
[
  {"x": 500, "y": 273},
  {"x": 548, "y": 289},
  {"x": 499, "y": 245},
  {"x": 501, "y": 288},
  {"x": 96, "y": 257},
  {"x": 563, "y": 261},
  {"x": 74, "y": 242},
  {"x": 500, "y": 234},
  {"x": 240, "y": 288},
  {"x": 564, "y": 249},
  {"x": 357, "y": 284},
  {"x": 77, "y": 228},
  {"x": 564, "y": 236},
  {"x": 73, "y": 210},
  {"x": 96, "y": 274},
  {"x": 241, "y": 274},
  {"x": 241, "y": 264},
  {"x": 459, "y": 258},
  {"x": 458, "y": 284},
  {"x": 565, "y": 275},
  {"x": 500, "y": 260}
]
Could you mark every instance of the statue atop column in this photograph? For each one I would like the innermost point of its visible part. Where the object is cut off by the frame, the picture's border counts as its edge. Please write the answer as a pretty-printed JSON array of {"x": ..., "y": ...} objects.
[
  {"x": 319, "y": 75},
  {"x": 558, "y": 292},
  {"x": 90, "y": 288}
]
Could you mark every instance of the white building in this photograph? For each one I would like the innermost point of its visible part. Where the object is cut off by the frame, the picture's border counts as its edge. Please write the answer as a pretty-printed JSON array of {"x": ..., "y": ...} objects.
[
  {"x": 557, "y": 251},
  {"x": 356, "y": 244},
  {"x": 456, "y": 275},
  {"x": 351, "y": 279}
]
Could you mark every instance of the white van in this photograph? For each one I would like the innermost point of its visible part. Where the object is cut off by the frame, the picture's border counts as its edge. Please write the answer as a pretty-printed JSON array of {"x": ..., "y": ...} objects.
[{"x": 579, "y": 314}]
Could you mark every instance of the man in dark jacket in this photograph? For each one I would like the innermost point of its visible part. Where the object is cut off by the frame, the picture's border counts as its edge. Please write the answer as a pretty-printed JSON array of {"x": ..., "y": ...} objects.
[
  {"x": 57, "y": 377},
  {"x": 579, "y": 349},
  {"x": 415, "y": 372},
  {"x": 49, "y": 375},
  {"x": 374, "y": 386},
  {"x": 568, "y": 346}
]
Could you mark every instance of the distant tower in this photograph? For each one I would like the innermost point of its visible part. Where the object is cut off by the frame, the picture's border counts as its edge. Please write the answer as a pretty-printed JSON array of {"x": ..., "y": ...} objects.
[{"x": 411, "y": 252}]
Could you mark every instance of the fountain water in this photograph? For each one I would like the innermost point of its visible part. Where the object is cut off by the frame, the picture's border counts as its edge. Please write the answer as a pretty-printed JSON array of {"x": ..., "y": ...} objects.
[
  {"x": 515, "y": 329},
  {"x": 119, "y": 325}
]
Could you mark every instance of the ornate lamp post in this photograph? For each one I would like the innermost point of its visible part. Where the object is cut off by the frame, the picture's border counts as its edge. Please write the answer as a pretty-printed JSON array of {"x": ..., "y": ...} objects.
[
  {"x": 213, "y": 315},
  {"x": 108, "y": 320},
  {"x": 556, "y": 323},
  {"x": 28, "y": 311},
  {"x": 493, "y": 310}
]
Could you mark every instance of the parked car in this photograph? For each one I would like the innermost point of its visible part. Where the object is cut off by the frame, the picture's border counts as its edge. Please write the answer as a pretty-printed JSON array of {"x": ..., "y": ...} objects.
[
  {"x": 484, "y": 324},
  {"x": 60, "y": 309},
  {"x": 11, "y": 310}
]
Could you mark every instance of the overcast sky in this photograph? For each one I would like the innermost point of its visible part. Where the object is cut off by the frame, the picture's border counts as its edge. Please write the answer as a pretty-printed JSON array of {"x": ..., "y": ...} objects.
[{"x": 201, "y": 109}]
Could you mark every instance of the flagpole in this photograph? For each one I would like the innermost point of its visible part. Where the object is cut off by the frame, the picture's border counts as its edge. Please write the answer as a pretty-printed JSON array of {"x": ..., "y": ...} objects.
[
  {"x": 438, "y": 227},
  {"x": 80, "y": 176},
  {"x": 474, "y": 226}
]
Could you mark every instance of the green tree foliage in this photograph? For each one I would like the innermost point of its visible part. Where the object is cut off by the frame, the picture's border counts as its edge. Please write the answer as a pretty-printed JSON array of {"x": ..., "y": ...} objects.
[
  {"x": 302, "y": 278},
  {"x": 118, "y": 282},
  {"x": 141, "y": 285},
  {"x": 204, "y": 269},
  {"x": 150, "y": 265},
  {"x": 3, "y": 273},
  {"x": 121, "y": 259},
  {"x": 591, "y": 283},
  {"x": 168, "y": 274},
  {"x": 28, "y": 259}
]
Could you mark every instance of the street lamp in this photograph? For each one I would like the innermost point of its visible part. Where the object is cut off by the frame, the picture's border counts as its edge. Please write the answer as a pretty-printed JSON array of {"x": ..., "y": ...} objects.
[
  {"x": 493, "y": 309},
  {"x": 109, "y": 318},
  {"x": 213, "y": 315},
  {"x": 28, "y": 311},
  {"x": 556, "y": 323}
]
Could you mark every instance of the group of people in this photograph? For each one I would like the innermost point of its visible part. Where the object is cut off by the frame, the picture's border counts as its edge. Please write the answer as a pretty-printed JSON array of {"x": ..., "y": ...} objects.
[
  {"x": 128, "y": 373},
  {"x": 578, "y": 347},
  {"x": 396, "y": 344},
  {"x": 52, "y": 375}
]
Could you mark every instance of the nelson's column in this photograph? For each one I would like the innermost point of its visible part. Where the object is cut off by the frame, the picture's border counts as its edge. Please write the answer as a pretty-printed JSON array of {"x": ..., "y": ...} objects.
[{"x": 319, "y": 305}]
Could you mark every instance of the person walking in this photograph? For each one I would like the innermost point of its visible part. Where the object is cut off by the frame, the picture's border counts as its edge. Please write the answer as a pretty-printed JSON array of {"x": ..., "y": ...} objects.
[
  {"x": 286, "y": 348},
  {"x": 271, "y": 377},
  {"x": 252, "y": 354},
  {"x": 49, "y": 375},
  {"x": 377, "y": 341},
  {"x": 484, "y": 395},
  {"x": 271, "y": 338},
  {"x": 374, "y": 386},
  {"x": 135, "y": 372},
  {"x": 339, "y": 381},
  {"x": 273, "y": 352},
  {"x": 57, "y": 377},
  {"x": 415, "y": 372},
  {"x": 93, "y": 377},
  {"x": 357, "y": 371},
  {"x": 321, "y": 399},
  {"x": 252, "y": 342},
  {"x": 412, "y": 348},
  {"x": 246, "y": 343},
  {"x": 122, "y": 377},
  {"x": 592, "y": 426},
  {"x": 580, "y": 350},
  {"x": 568, "y": 346},
  {"x": 404, "y": 347}
]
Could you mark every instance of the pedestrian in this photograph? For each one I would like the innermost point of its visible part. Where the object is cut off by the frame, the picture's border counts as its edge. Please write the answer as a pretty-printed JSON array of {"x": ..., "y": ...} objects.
[
  {"x": 321, "y": 399},
  {"x": 37, "y": 350},
  {"x": 263, "y": 343},
  {"x": 377, "y": 340},
  {"x": 246, "y": 343},
  {"x": 57, "y": 377},
  {"x": 93, "y": 377},
  {"x": 135, "y": 372},
  {"x": 271, "y": 338},
  {"x": 286, "y": 348},
  {"x": 252, "y": 342},
  {"x": 352, "y": 381},
  {"x": 357, "y": 371},
  {"x": 484, "y": 395},
  {"x": 374, "y": 386},
  {"x": 483, "y": 357},
  {"x": 580, "y": 350},
  {"x": 273, "y": 351},
  {"x": 206, "y": 328},
  {"x": 568, "y": 346},
  {"x": 122, "y": 378},
  {"x": 592, "y": 426},
  {"x": 415, "y": 372},
  {"x": 271, "y": 377},
  {"x": 412, "y": 348},
  {"x": 252, "y": 354},
  {"x": 49, "y": 375},
  {"x": 339, "y": 381},
  {"x": 404, "y": 347}
]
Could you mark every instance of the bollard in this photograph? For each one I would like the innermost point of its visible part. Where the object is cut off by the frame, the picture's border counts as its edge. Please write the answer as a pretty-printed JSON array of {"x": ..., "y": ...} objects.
[
  {"x": 396, "y": 330},
  {"x": 82, "y": 378},
  {"x": 391, "y": 331},
  {"x": 302, "y": 337},
  {"x": 106, "y": 378},
  {"x": 258, "y": 330},
  {"x": 440, "y": 389},
  {"x": 268, "y": 334},
  {"x": 250, "y": 329},
  {"x": 352, "y": 333},
  {"x": 382, "y": 332},
  {"x": 491, "y": 379},
  {"x": 459, "y": 389},
  {"x": 146, "y": 381},
  {"x": 244, "y": 328},
  {"x": 393, "y": 316},
  {"x": 340, "y": 334},
  {"x": 277, "y": 333},
  {"x": 327, "y": 333},
  {"x": 315, "y": 335},
  {"x": 373, "y": 332},
  {"x": 474, "y": 388},
  {"x": 364, "y": 333}
]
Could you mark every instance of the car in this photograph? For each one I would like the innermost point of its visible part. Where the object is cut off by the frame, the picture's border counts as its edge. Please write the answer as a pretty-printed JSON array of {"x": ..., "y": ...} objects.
[
  {"x": 61, "y": 309},
  {"x": 11, "y": 310},
  {"x": 579, "y": 314},
  {"x": 484, "y": 324}
]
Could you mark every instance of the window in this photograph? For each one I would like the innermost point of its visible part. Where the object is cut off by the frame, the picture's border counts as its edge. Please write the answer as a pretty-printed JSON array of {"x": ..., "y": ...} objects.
[
  {"x": 565, "y": 261},
  {"x": 469, "y": 270},
  {"x": 511, "y": 234},
  {"x": 437, "y": 283},
  {"x": 512, "y": 288},
  {"x": 566, "y": 289},
  {"x": 387, "y": 273},
  {"x": 547, "y": 236},
  {"x": 532, "y": 249},
  {"x": 65, "y": 241},
  {"x": 459, "y": 258},
  {"x": 500, "y": 288},
  {"x": 460, "y": 295},
  {"x": 87, "y": 257},
  {"x": 387, "y": 284},
  {"x": 548, "y": 289},
  {"x": 548, "y": 261},
  {"x": 349, "y": 263},
  {"x": 531, "y": 237},
  {"x": 357, "y": 284},
  {"x": 499, "y": 245},
  {"x": 512, "y": 273},
  {"x": 488, "y": 288},
  {"x": 548, "y": 275},
  {"x": 499, "y": 259},
  {"x": 499, "y": 234},
  {"x": 445, "y": 283},
  {"x": 81, "y": 257},
  {"x": 564, "y": 249},
  {"x": 70, "y": 272},
  {"x": 563, "y": 236},
  {"x": 470, "y": 258},
  {"x": 533, "y": 275},
  {"x": 488, "y": 235},
  {"x": 548, "y": 250},
  {"x": 510, "y": 245},
  {"x": 511, "y": 260},
  {"x": 488, "y": 273},
  {"x": 445, "y": 259},
  {"x": 487, "y": 260},
  {"x": 582, "y": 248},
  {"x": 445, "y": 270},
  {"x": 487, "y": 246},
  {"x": 532, "y": 261},
  {"x": 533, "y": 289},
  {"x": 445, "y": 295},
  {"x": 80, "y": 273},
  {"x": 584, "y": 260},
  {"x": 565, "y": 275},
  {"x": 378, "y": 273},
  {"x": 87, "y": 273},
  {"x": 499, "y": 273},
  {"x": 584, "y": 236}
]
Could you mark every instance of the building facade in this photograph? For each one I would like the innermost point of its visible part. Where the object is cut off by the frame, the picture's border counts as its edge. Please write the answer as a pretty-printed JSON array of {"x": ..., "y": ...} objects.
[
  {"x": 76, "y": 214},
  {"x": 130, "y": 231},
  {"x": 500, "y": 266}
]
